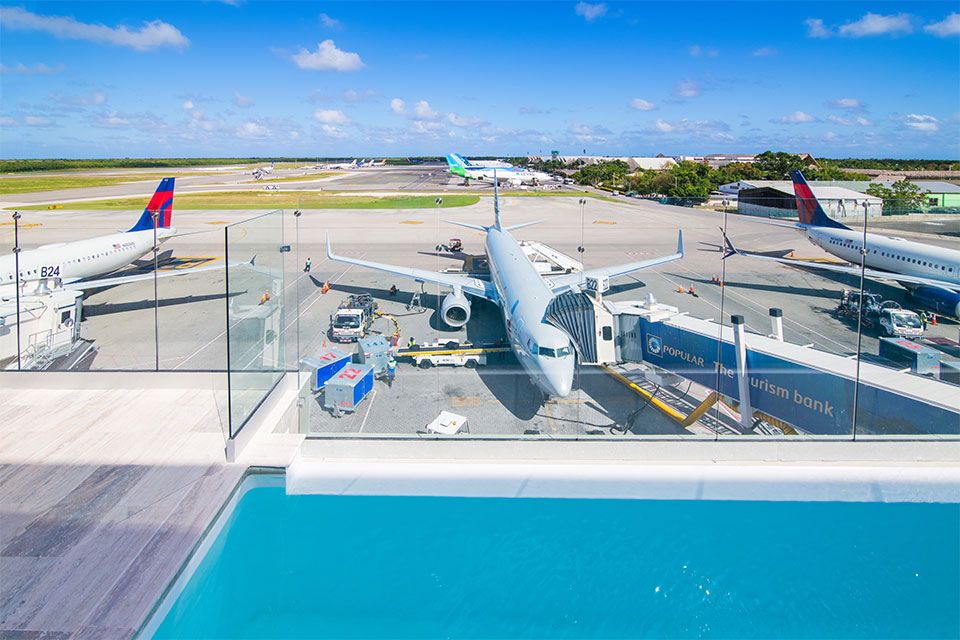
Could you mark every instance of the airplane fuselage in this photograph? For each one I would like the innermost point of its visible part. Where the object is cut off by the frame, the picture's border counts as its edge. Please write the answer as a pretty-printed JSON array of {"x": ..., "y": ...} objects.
[
  {"x": 890, "y": 254},
  {"x": 544, "y": 351},
  {"x": 73, "y": 261}
]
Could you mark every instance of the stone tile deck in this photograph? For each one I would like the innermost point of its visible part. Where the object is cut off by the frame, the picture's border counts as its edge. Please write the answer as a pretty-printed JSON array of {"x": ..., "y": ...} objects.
[{"x": 103, "y": 494}]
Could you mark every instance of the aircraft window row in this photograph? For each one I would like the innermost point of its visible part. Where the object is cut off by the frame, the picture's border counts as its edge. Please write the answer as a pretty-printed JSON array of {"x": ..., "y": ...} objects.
[{"x": 887, "y": 254}]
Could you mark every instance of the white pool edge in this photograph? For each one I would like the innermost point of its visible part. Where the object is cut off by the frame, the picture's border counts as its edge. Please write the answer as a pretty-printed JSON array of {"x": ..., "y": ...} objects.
[
  {"x": 197, "y": 555},
  {"x": 695, "y": 481}
]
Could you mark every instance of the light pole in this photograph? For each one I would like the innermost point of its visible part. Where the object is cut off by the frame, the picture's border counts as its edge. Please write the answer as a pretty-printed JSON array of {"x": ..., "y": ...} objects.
[
  {"x": 156, "y": 300},
  {"x": 16, "y": 270},
  {"x": 581, "y": 248},
  {"x": 296, "y": 219}
]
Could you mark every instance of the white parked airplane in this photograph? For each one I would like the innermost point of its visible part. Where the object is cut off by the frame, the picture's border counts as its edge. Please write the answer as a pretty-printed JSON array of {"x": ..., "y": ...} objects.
[
  {"x": 930, "y": 273},
  {"x": 79, "y": 265},
  {"x": 523, "y": 295},
  {"x": 460, "y": 166}
]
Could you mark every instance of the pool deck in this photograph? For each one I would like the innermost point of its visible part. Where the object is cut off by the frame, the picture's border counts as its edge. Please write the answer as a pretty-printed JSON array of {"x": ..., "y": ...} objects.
[
  {"x": 104, "y": 492},
  {"x": 108, "y": 483}
]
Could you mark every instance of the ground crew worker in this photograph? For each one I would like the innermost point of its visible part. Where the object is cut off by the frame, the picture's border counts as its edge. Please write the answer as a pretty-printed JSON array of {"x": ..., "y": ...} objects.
[
  {"x": 306, "y": 267},
  {"x": 265, "y": 297},
  {"x": 391, "y": 370},
  {"x": 393, "y": 290},
  {"x": 924, "y": 319},
  {"x": 411, "y": 343}
]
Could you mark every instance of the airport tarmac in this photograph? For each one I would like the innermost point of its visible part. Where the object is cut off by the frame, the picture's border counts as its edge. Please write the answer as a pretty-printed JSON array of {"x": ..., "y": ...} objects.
[{"x": 496, "y": 399}]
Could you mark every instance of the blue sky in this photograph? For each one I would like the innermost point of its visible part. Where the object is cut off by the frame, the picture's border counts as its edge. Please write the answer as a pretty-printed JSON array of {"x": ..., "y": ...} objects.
[{"x": 375, "y": 78}]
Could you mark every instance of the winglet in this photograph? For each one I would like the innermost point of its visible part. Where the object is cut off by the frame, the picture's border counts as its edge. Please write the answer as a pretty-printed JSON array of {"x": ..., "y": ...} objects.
[
  {"x": 729, "y": 249},
  {"x": 330, "y": 249},
  {"x": 680, "y": 242}
]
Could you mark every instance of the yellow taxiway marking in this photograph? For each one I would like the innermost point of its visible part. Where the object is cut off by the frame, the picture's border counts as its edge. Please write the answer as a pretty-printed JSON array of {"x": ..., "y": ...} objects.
[
  {"x": 604, "y": 222},
  {"x": 411, "y": 222},
  {"x": 217, "y": 222},
  {"x": 23, "y": 225},
  {"x": 465, "y": 401}
]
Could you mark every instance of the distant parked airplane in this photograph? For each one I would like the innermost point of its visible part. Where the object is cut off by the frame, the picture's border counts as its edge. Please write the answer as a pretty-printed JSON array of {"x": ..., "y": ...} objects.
[
  {"x": 523, "y": 295},
  {"x": 930, "y": 273},
  {"x": 459, "y": 166},
  {"x": 77, "y": 265}
]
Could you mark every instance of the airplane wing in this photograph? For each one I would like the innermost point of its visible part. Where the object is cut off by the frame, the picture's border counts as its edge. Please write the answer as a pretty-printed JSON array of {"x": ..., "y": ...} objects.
[
  {"x": 565, "y": 281},
  {"x": 849, "y": 269},
  {"x": 473, "y": 286},
  {"x": 137, "y": 277}
]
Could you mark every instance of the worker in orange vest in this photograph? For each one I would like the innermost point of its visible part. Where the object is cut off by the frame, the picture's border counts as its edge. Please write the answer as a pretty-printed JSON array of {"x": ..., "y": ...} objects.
[{"x": 265, "y": 297}]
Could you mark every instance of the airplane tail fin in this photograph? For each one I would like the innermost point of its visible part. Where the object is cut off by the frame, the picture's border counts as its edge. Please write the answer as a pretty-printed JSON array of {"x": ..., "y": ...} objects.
[
  {"x": 162, "y": 204},
  {"x": 452, "y": 161},
  {"x": 728, "y": 248},
  {"x": 808, "y": 207},
  {"x": 463, "y": 161}
]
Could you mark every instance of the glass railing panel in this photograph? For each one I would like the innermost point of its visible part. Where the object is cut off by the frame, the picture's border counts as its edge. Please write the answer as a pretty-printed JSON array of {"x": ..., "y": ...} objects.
[{"x": 254, "y": 312}]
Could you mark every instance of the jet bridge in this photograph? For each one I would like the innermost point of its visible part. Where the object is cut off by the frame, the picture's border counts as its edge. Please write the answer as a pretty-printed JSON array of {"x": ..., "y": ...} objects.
[{"x": 810, "y": 390}]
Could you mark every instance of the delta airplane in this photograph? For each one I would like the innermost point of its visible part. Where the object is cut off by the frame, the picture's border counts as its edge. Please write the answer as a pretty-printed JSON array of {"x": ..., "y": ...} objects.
[
  {"x": 523, "y": 295},
  {"x": 931, "y": 274},
  {"x": 459, "y": 166},
  {"x": 79, "y": 265}
]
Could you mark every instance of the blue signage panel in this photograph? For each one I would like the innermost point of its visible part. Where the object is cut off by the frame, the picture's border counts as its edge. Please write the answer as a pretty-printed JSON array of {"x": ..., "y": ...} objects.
[{"x": 814, "y": 401}]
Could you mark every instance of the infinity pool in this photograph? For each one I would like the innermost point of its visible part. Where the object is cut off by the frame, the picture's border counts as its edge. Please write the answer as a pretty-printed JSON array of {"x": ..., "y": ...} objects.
[{"x": 400, "y": 567}]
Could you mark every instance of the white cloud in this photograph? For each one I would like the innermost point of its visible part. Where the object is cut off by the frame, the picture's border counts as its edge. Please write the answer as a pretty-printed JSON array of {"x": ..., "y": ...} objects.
[
  {"x": 252, "y": 130},
  {"x": 398, "y": 106},
  {"x": 687, "y": 126},
  {"x": 331, "y": 116},
  {"x": 589, "y": 11},
  {"x": 816, "y": 28},
  {"x": 642, "y": 105},
  {"x": 874, "y": 24},
  {"x": 590, "y": 133},
  {"x": 36, "y": 121},
  {"x": 846, "y": 103},
  {"x": 922, "y": 122},
  {"x": 187, "y": 105},
  {"x": 328, "y": 57},
  {"x": 39, "y": 69},
  {"x": 696, "y": 51},
  {"x": 7, "y": 122},
  {"x": 151, "y": 35},
  {"x": 949, "y": 26},
  {"x": 423, "y": 111},
  {"x": 458, "y": 120},
  {"x": 114, "y": 119},
  {"x": 423, "y": 126},
  {"x": 242, "y": 101},
  {"x": 797, "y": 117},
  {"x": 848, "y": 122},
  {"x": 332, "y": 131},
  {"x": 686, "y": 89},
  {"x": 765, "y": 52},
  {"x": 330, "y": 23}
]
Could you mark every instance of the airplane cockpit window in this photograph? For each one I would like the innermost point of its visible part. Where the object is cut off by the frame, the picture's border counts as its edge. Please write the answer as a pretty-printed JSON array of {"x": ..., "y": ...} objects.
[{"x": 559, "y": 352}]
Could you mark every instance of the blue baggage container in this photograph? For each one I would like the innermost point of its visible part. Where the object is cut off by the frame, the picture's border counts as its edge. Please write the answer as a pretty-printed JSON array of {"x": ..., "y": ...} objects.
[
  {"x": 920, "y": 359},
  {"x": 373, "y": 350},
  {"x": 950, "y": 371},
  {"x": 324, "y": 366},
  {"x": 347, "y": 389}
]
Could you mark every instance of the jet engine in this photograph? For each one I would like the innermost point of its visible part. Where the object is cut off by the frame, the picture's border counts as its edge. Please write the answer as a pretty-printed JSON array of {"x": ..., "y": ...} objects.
[
  {"x": 455, "y": 309},
  {"x": 940, "y": 300}
]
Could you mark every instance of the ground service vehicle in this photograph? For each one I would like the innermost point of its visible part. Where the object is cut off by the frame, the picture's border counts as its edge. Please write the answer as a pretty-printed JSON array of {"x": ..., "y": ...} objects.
[
  {"x": 353, "y": 318},
  {"x": 901, "y": 323}
]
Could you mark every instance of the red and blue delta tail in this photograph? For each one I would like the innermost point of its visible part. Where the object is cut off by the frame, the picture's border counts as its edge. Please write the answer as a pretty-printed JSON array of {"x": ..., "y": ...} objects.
[
  {"x": 808, "y": 207},
  {"x": 162, "y": 204}
]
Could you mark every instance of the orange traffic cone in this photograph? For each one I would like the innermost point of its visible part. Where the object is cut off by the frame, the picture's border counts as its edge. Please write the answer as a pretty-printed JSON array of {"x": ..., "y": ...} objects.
[
  {"x": 691, "y": 290},
  {"x": 325, "y": 288},
  {"x": 933, "y": 319}
]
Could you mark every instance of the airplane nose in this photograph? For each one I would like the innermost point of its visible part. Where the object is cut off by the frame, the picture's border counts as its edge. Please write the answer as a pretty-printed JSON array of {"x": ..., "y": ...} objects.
[{"x": 556, "y": 383}]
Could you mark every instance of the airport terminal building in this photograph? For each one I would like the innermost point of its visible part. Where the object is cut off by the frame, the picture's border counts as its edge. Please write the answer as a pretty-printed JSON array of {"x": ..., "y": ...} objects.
[{"x": 775, "y": 198}]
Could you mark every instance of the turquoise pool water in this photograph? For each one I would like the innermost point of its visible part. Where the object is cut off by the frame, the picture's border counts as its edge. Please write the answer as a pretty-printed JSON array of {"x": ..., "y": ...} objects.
[{"x": 387, "y": 567}]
